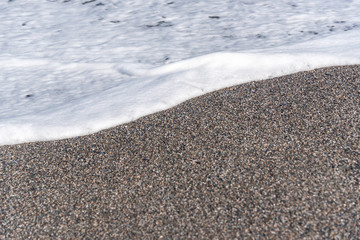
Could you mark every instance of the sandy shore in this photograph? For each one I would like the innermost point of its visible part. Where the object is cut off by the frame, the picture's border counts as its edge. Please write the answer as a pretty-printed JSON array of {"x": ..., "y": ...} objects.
[{"x": 265, "y": 160}]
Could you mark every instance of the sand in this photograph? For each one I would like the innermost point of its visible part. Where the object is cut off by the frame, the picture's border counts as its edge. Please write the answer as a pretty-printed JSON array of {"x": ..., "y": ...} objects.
[{"x": 273, "y": 159}]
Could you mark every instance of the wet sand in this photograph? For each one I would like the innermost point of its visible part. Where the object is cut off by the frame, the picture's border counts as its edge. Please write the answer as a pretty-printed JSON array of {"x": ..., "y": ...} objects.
[{"x": 273, "y": 159}]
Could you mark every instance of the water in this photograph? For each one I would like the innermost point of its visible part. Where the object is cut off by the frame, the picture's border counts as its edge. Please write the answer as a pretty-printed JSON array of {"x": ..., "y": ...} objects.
[{"x": 75, "y": 67}]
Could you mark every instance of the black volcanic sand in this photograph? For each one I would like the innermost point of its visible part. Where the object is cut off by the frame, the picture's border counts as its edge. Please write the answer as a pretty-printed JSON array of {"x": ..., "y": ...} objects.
[{"x": 273, "y": 159}]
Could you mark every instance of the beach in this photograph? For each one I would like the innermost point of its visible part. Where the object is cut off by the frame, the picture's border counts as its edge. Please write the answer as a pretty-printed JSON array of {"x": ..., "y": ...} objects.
[{"x": 271, "y": 159}]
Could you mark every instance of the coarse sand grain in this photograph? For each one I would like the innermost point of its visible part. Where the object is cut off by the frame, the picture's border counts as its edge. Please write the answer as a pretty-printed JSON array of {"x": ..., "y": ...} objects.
[{"x": 272, "y": 159}]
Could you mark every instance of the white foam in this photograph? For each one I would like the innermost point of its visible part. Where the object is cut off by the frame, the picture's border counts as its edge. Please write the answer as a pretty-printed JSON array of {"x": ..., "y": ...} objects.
[{"x": 73, "y": 69}]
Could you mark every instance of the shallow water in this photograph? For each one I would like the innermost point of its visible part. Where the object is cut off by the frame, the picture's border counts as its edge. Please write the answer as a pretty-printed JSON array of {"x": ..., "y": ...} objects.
[{"x": 75, "y": 67}]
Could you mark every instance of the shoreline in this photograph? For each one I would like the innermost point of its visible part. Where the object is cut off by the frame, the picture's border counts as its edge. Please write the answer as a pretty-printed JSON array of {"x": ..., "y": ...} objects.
[{"x": 276, "y": 158}]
